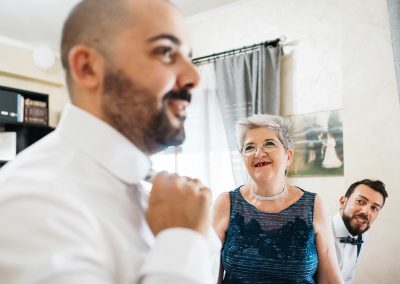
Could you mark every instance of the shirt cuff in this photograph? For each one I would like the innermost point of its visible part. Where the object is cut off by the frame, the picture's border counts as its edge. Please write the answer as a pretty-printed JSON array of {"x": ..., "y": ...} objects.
[{"x": 184, "y": 254}]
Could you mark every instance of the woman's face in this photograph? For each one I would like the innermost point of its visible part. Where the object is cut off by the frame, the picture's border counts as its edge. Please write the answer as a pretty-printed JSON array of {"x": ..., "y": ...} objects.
[{"x": 264, "y": 156}]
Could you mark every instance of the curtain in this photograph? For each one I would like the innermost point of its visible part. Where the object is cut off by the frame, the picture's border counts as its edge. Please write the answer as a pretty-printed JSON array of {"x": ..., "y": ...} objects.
[
  {"x": 247, "y": 84},
  {"x": 204, "y": 154},
  {"x": 394, "y": 18}
]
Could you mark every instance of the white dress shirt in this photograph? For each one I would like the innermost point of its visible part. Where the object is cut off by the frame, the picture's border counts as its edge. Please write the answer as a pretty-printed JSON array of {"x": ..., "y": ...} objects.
[
  {"x": 346, "y": 253},
  {"x": 72, "y": 210}
]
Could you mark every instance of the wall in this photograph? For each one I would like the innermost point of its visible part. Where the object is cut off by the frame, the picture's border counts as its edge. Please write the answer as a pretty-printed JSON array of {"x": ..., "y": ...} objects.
[
  {"x": 18, "y": 71},
  {"x": 338, "y": 56}
]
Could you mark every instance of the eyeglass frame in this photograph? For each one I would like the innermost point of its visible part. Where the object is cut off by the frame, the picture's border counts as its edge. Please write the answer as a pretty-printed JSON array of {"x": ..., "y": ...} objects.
[{"x": 264, "y": 149}]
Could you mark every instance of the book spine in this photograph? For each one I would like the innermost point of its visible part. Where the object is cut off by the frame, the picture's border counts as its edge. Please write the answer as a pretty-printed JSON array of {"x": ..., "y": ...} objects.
[
  {"x": 36, "y": 112},
  {"x": 27, "y": 103}
]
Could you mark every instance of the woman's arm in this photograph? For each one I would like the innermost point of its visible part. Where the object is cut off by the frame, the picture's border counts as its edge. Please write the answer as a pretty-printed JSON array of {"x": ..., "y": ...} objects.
[
  {"x": 328, "y": 268},
  {"x": 221, "y": 216}
]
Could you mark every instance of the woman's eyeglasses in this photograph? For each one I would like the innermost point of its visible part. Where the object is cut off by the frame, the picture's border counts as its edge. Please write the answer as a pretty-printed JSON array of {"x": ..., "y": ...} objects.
[{"x": 267, "y": 146}]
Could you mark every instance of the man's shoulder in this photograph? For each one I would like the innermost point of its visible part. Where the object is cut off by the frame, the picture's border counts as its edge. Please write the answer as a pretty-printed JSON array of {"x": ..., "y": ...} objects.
[
  {"x": 40, "y": 163},
  {"x": 335, "y": 219},
  {"x": 336, "y": 222},
  {"x": 39, "y": 177}
]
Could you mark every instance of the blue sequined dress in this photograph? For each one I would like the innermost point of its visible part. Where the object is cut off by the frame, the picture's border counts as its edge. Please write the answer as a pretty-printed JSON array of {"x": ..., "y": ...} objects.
[{"x": 273, "y": 248}]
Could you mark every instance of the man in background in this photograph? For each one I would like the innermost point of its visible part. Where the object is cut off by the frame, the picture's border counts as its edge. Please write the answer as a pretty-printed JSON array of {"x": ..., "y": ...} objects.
[
  {"x": 359, "y": 208},
  {"x": 72, "y": 209}
]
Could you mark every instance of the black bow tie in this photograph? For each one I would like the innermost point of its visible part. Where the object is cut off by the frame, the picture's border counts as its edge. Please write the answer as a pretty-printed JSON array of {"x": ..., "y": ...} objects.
[{"x": 350, "y": 240}]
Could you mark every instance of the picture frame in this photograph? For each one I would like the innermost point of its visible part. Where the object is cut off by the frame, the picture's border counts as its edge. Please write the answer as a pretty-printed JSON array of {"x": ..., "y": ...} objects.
[{"x": 318, "y": 144}]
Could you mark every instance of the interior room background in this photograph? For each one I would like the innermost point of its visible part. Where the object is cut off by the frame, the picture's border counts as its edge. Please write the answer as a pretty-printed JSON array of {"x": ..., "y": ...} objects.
[
  {"x": 341, "y": 58},
  {"x": 338, "y": 55}
]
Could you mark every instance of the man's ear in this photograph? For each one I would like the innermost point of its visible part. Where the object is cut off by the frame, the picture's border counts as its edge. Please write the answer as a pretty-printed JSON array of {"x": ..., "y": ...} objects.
[
  {"x": 86, "y": 67},
  {"x": 342, "y": 202}
]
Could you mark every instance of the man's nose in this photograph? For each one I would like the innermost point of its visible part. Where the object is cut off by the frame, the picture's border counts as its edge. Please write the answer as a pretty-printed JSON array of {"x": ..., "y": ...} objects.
[
  {"x": 188, "y": 76},
  {"x": 365, "y": 210}
]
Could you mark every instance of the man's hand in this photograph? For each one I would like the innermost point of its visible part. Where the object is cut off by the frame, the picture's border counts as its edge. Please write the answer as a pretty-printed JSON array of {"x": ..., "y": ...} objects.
[{"x": 177, "y": 201}]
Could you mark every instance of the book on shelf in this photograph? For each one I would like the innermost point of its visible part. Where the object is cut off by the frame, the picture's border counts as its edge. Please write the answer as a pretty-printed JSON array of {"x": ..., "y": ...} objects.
[
  {"x": 8, "y": 146},
  {"x": 11, "y": 106},
  {"x": 35, "y": 111}
]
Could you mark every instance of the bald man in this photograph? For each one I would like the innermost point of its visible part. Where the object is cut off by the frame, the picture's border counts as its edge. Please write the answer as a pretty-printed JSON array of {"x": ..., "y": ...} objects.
[{"x": 72, "y": 208}]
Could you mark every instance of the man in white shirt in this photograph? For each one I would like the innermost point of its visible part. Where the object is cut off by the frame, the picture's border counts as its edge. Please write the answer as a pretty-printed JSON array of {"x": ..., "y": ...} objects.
[
  {"x": 359, "y": 208},
  {"x": 72, "y": 208}
]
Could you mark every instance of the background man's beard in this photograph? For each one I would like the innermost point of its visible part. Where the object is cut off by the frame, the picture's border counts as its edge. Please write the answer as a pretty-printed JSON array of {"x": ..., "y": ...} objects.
[
  {"x": 353, "y": 230},
  {"x": 134, "y": 112}
]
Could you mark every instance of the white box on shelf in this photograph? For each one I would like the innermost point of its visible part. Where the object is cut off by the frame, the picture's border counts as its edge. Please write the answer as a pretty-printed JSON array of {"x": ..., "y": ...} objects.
[{"x": 8, "y": 146}]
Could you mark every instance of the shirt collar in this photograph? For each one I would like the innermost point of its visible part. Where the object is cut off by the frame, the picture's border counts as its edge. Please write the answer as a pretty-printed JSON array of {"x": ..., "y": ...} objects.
[
  {"x": 339, "y": 227},
  {"x": 104, "y": 144}
]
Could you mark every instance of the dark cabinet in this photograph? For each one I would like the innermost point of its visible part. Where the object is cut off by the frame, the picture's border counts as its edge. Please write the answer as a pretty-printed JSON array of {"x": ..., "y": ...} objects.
[{"x": 29, "y": 126}]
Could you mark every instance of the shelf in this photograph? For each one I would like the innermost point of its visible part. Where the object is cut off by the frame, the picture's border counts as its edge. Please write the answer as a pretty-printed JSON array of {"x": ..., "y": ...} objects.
[
  {"x": 25, "y": 124},
  {"x": 27, "y": 94},
  {"x": 27, "y": 133},
  {"x": 27, "y": 104}
]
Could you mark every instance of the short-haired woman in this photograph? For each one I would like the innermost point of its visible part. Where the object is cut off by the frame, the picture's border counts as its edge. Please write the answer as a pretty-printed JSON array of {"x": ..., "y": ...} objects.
[{"x": 272, "y": 232}]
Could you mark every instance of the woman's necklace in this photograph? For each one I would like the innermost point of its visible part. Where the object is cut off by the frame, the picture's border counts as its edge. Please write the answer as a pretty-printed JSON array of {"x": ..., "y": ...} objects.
[{"x": 269, "y": 198}]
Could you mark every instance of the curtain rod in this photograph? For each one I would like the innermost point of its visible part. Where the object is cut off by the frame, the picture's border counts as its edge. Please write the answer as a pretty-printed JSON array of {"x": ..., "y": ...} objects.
[{"x": 215, "y": 56}]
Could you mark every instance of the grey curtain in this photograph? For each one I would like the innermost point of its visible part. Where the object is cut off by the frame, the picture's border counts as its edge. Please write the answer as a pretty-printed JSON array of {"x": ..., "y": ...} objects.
[
  {"x": 247, "y": 84},
  {"x": 394, "y": 18}
]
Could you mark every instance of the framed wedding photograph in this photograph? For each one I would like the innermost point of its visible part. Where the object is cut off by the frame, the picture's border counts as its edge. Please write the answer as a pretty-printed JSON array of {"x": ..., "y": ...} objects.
[{"x": 318, "y": 144}]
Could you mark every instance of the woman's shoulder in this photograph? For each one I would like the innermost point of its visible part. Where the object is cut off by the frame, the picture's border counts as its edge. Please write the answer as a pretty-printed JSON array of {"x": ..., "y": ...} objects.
[
  {"x": 306, "y": 192},
  {"x": 221, "y": 213},
  {"x": 222, "y": 198},
  {"x": 223, "y": 201},
  {"x": 225, "y": 196}
]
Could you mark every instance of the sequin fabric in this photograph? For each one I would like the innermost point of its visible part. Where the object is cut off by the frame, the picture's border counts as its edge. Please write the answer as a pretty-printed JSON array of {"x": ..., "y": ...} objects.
[{"x": 271, "y": 248}]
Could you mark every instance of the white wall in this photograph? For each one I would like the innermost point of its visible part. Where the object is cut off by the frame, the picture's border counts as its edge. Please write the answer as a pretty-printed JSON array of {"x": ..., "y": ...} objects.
[
  {"x": 342, "y": 58},
  {"x": 17, "y": 70}
]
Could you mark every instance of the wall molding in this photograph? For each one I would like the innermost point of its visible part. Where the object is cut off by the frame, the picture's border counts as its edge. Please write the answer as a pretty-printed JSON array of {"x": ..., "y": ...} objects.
[
  {"x": 201, "y": 16},
  {"x": 31, "y": 79}
]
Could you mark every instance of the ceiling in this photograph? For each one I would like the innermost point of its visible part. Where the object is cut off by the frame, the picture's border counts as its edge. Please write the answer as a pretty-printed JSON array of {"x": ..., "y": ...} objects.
[{"x": 39, "y": 22}]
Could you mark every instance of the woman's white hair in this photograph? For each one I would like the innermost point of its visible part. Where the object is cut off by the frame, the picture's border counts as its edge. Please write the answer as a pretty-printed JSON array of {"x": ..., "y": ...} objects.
[{"x": 276, "y": 123}]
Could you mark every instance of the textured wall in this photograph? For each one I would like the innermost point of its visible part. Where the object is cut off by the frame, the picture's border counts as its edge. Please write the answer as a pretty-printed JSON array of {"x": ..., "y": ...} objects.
[{"x": 394, "y": 18}]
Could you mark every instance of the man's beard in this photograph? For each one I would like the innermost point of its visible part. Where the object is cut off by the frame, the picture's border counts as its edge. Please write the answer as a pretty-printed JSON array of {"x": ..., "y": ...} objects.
[
  {"x": 355, "y": 230},
  {"x": 165, "y": 134},
  {"x": 135, "y": 112}
]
